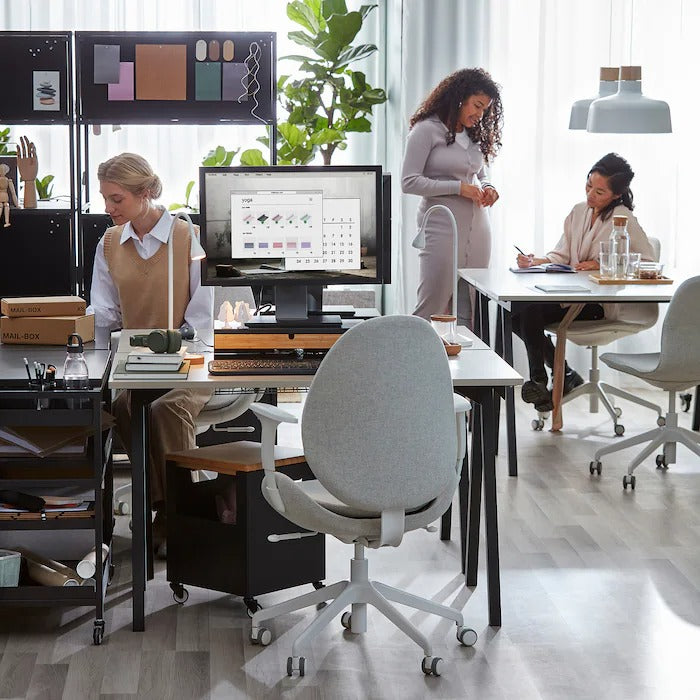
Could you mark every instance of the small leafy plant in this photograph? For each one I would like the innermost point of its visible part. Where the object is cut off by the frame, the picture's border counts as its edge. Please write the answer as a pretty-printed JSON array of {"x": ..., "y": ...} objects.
[
  {"x": 44, "y": 188},
  {"x": 4, "y": 142}
]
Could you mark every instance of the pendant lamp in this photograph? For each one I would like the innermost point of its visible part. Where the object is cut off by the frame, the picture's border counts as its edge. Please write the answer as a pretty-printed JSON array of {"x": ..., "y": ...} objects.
[
  {"x": 608, "y": 86},
  {"x": 628, "y": 111}
]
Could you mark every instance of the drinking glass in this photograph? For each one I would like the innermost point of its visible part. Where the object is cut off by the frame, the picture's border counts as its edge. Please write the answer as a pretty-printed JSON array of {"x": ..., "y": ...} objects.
[
  {"x": 633, "y": 260},
  {"x": 607, "y": 260}
]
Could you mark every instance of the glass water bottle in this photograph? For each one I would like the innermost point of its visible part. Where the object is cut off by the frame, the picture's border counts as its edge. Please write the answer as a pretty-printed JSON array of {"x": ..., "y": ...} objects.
[{"x": 620, "y": 246}]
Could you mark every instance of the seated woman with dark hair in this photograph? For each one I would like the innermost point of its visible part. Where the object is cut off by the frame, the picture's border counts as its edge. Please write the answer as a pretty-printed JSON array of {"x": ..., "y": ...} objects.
[{"x": 607, "y": 193}]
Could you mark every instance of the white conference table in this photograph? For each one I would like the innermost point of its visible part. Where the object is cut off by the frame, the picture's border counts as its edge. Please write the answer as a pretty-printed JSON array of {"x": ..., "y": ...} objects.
[
  {"x": 477, "y": 373},
  {"x": 507, "y": 288}
]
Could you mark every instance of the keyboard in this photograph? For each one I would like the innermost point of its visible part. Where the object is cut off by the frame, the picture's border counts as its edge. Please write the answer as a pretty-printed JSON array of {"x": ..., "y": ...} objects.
[{"x": 265, "y": 364}]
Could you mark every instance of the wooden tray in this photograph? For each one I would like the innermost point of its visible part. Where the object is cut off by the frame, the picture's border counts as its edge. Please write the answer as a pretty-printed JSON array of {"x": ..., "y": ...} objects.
[{"x": 600, "y": 280}]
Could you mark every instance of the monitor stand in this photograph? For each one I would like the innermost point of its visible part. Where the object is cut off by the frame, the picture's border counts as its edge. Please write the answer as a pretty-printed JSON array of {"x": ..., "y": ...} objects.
[{"x": 297, "y": 307}]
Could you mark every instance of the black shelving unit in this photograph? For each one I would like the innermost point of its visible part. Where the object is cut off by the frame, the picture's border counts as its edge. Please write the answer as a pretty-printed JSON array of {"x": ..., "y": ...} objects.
[
  {"x": 39, "y": 248},
  {"x": 91, "y": 472},
  {"x": 254, "y": 53}
]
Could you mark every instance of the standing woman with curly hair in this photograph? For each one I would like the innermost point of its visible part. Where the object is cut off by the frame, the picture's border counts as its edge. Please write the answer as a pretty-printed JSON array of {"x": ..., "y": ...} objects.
[{"x": 454, "y": 135}]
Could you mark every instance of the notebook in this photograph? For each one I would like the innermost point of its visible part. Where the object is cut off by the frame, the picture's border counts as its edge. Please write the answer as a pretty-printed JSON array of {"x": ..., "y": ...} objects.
[
  {"x": 545, "y": 267},
  {"x": 120, "y": 372}
]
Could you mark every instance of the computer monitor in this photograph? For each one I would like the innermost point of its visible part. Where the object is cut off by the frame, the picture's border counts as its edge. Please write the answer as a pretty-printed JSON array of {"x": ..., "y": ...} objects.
[{"x": 294, "y": 229}]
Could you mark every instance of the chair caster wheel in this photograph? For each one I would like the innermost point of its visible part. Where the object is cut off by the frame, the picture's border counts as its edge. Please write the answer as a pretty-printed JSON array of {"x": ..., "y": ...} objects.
[
  {"x": 122, "y": 508},
  {"x": 180, "y": 593},
  {"x": 98, "y": 633},
  {"x": 619, "y": 429},
  {"x": 251, "y": 606},
  {"x": 595, "y": 466},
  {"x": 261, "y": 636},
  {"x": 661, "y": 462},
  {"x": 628, "y": 480},
  {"x": 301, "y": 664},
  {"x": 466, "y": 637},
  {"x": 537, "y": 424},
  {"x": 432, "y": 665},
  {"x": 346, "y": 620},
  {"x": 661, "y": 421}
]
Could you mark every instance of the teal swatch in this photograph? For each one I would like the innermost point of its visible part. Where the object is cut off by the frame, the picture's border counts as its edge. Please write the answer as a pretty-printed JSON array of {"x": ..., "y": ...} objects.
[{"x": 207, "y": 81}]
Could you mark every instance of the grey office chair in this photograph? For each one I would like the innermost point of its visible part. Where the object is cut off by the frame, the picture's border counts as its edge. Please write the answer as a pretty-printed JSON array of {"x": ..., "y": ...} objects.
[
  {"x": 675, "y": 367},
  {"x": 593, "y": 334},
  {"x": 378, "y": 431}
]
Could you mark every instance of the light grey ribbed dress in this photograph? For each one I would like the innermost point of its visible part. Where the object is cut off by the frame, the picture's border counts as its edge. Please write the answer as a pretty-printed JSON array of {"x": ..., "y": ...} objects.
[{"x": 435, "y": 171}]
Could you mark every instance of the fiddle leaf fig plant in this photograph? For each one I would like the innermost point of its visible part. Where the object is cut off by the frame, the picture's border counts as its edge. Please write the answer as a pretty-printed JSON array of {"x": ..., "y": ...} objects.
[{"x": 330, "y": 99}]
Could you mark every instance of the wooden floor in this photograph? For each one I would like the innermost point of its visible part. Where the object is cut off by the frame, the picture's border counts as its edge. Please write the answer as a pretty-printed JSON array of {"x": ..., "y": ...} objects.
[{"x": 601, "y": 599}]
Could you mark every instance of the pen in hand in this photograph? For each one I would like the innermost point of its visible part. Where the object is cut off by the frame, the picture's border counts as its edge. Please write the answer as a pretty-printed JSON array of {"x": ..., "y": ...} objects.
[{"x": 520, "y": 251}]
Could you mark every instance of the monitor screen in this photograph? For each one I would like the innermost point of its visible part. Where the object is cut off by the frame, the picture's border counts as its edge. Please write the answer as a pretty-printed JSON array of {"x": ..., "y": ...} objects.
[{"x": 288, "y": 225}]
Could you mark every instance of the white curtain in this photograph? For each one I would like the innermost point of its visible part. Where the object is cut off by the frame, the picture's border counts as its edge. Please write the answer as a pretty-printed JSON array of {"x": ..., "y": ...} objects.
[{"x": 545, "y": 54}]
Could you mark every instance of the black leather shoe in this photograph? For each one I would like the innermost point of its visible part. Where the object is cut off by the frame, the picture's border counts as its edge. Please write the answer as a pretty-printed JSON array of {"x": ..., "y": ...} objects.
[
  {"x": 572, "y": 379},
  {"x": 537, "y": 393}
]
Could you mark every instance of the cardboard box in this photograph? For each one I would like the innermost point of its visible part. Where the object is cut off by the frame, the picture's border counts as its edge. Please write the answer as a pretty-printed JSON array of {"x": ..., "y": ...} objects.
[
  {"x": 42, "y": 306},
  {"x": 45, "y": 330}
]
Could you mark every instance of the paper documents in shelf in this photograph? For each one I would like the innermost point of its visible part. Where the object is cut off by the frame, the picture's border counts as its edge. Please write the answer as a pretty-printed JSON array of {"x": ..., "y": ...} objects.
[{"x": 44, "y": 440}]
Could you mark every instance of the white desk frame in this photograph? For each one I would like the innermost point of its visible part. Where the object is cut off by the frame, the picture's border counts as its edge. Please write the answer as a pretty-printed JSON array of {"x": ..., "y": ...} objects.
[{"x": 506, "y": 287}]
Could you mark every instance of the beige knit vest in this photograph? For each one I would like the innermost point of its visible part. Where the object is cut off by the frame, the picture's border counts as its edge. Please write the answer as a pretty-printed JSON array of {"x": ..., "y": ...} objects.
[{"x": 142, "y": 285}]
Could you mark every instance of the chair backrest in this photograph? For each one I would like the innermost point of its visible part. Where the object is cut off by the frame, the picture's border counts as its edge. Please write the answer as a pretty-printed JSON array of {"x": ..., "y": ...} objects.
[
  {"x": 680, "y": 335},
  {"x": 378, "y": 426},
  {"x": 656, "y": 247}
]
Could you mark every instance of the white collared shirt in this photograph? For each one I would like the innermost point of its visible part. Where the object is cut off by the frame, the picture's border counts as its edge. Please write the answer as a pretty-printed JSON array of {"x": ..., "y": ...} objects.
[{"x": 104, "y": 298}]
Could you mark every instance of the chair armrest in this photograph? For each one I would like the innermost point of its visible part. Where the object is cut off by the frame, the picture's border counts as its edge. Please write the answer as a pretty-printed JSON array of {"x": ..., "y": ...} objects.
[{"x": 273, "y": 413}]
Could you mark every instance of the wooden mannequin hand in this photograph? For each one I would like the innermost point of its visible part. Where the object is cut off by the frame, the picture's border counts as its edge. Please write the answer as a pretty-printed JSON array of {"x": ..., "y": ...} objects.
[{"x": 28, "y": 166}]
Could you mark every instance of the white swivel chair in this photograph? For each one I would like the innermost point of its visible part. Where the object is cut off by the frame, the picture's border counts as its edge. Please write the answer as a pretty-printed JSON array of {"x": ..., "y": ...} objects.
[
  {"x": 378, "y": 431},
  {"x": 675, "y": 367},
  {"x": 593, "y": 334}
]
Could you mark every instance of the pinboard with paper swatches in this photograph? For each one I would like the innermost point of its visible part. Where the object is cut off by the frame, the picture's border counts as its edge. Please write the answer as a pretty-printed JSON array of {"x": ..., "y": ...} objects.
[
  {"x": 183, "y": 77},
  {"x": 37, "y": 78}
]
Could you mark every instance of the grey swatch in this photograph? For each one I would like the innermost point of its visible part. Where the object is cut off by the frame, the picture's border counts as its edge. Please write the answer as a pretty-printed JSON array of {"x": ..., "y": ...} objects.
[
  {"x": 106, "y": 63},
  {"x": 234, "y": 82}
]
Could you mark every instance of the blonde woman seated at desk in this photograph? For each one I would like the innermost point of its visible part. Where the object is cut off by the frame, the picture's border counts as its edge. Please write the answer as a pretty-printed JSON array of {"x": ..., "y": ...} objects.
[
  {"x": 130, "y": 290},
  {"x": 608, "y": 194}
]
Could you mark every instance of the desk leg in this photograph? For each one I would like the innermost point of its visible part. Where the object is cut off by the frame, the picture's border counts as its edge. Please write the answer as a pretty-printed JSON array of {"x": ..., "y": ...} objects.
[
  {"x": 696, "y": 409},
  {"x": 507, "y": 334},
  {"x": 559, "y": 358},
  {"x": 446, "y": 525},
  {"x": 498, "y": 349},
  {"x": 470, "y": 515},
  {"x": 490, "y": 508},
  {"x": 138, "y": 517}
]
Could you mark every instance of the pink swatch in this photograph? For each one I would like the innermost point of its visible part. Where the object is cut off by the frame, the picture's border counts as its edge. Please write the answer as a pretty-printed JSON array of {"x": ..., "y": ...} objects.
[{"x": 124, "y": 89}]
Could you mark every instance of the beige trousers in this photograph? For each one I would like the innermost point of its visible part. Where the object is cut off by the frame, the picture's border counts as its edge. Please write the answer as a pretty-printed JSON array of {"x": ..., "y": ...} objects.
[{"x": 171, "y": 428}]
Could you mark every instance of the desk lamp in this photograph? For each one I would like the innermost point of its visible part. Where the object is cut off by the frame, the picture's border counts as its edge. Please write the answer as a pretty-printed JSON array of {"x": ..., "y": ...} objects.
[
  {"x": 196, "y": 253},
  {"x": 419, "y": 242}
]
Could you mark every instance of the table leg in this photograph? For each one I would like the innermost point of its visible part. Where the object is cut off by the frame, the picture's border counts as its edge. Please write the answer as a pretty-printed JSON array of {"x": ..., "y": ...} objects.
[
  {"x": 498, "y": 349},
  {"x": 446, "y": 525},
  {"x": 696, "y": 409},
  {"x": 507, "y": 334},
  {"x": 490, "y": 509},
  {"x": 139, "y": 411},
  {"x": 558, "y": 369},
  {"x": 470, "y": 515}
]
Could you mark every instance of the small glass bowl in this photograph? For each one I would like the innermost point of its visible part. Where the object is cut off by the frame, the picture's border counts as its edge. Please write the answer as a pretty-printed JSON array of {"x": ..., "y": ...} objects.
[{"x": 650, "y": 270}]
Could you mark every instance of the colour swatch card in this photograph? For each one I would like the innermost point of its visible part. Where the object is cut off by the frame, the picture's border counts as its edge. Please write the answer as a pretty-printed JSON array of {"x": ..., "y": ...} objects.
[
  {"x": 106, "y": 63},
  {"x": 235, "y": 82},
  {"x": 161, "y": 71},
  {"x": 207, "y": 81},
  {"x": 124, "y": 89},
  {"x": 46, "y": 88}
]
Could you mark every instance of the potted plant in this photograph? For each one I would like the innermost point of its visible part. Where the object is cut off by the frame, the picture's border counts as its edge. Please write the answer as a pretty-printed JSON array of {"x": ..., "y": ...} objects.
[{"x": 330, "y": 99}]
